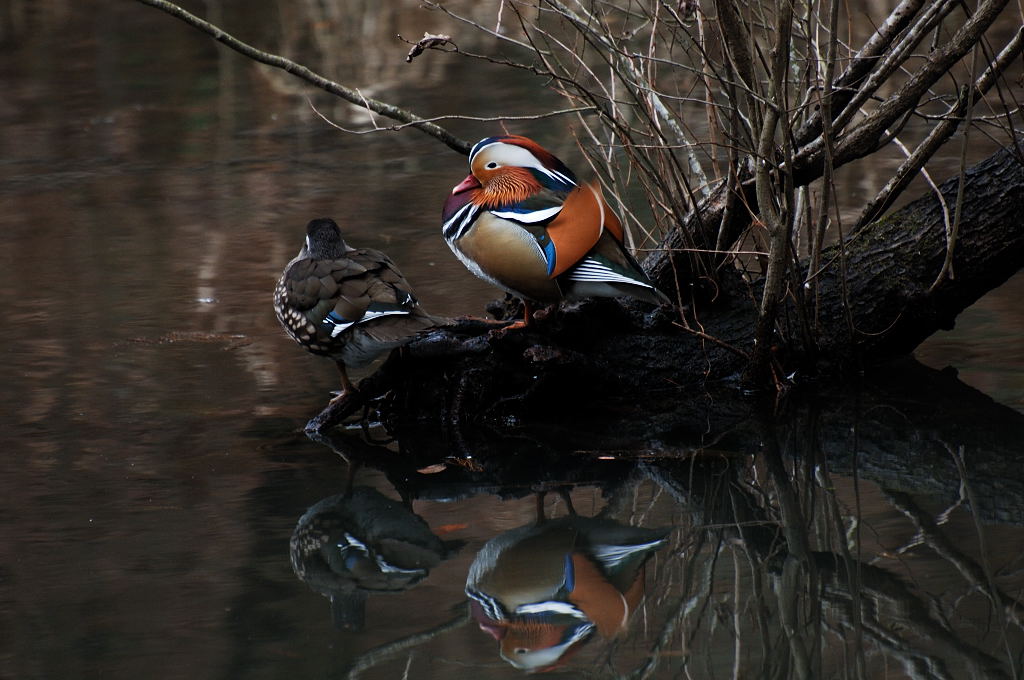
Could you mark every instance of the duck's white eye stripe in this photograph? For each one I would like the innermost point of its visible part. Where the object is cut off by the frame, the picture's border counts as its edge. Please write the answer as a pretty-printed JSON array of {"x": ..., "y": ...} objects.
[
  {"x": 476, "y": 151},
  {"x": 553, "y": 174},
  {"x": 510, "y": 155},
  {"x": 565, "y": 178}
]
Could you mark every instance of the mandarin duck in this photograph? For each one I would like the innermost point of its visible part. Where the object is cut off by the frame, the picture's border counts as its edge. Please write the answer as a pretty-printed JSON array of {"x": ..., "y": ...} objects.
[
  {"x": 523, "y": 222},
  {"x": 543, "y": 589},
  {"x": 359, "y": 542},
  {"x": 349, "y": 304}
]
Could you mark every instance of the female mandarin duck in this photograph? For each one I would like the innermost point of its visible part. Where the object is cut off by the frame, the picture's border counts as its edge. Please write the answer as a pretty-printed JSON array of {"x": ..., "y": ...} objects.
[
  {"x": 349, "y": 304},
  {"x": 523, "y": 222},
  {"x": 543, "y": 589},
  {"x": 361, "y": 542}
]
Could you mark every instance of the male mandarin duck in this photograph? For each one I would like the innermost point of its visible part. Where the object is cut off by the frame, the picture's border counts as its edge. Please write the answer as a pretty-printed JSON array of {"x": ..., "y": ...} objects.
[
  {"x": 523, "y": 222},
  {"x": 543, "y": 589},
  {"x": 349, "y": 304}
]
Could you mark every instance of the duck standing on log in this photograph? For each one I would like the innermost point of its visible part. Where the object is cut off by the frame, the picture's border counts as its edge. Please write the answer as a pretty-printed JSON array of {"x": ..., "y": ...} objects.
[
  {"x": 349, "y": 304},
  {"x": 523, "y": 222}
]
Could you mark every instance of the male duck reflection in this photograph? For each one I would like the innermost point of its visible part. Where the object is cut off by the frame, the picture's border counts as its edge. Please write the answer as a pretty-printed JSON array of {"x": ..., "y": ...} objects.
[
  {"x": 541, "y": 590},
  {"x": 349, "y": 304},
  {"x": 523, "y": 222}
]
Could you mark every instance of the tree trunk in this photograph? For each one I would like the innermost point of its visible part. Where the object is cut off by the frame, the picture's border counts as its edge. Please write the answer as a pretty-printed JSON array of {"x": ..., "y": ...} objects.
[
  {"x": 893, "y": 263},
  {"x": 601, "y": 354}
]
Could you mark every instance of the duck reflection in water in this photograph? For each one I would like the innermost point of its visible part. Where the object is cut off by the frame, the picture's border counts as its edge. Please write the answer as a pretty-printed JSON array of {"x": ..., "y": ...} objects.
[
  {"x": 359, "y": 542},
  {"x": 542, "y": 590}
]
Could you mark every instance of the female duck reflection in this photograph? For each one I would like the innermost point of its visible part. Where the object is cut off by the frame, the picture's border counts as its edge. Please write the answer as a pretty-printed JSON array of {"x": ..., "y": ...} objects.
[
  {"x": 541, "y": 590},
  {"x": 362, "y": 542}
]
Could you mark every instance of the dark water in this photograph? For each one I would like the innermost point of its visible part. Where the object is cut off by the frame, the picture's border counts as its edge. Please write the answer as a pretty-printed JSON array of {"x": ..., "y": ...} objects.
[{"x": 154, "y": 471}]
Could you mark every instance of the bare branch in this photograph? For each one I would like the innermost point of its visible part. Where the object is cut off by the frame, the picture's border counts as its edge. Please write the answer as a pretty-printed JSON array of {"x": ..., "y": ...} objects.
[
  {"x": 346, "y": 93},
  {"x": 861, "y": 65},
  {"x": 451, "y": 116},
  {"x": 778, "y": 222},
  {"x": 864, "y": 138},
  {"x": 939, "y": 134}
]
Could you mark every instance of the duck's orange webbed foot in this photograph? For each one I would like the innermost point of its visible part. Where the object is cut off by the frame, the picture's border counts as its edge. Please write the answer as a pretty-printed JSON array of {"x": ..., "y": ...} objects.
[
  {"x": 343, "y": 395},
  {"x": 348, "y": 390},
  {"x": 529, "y": 316},
  {"x": 499, "y": 333},
  {"x": 517, "y": 325}
]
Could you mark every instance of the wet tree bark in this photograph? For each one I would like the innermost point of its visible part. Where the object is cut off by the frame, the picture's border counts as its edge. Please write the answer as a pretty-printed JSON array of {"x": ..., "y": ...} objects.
[
  {"x": 893, "y": 263},
  {"x": 877, "y": 300}
]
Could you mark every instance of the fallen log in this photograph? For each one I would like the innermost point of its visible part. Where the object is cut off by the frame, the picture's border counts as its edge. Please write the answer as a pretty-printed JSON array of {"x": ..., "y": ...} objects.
[{"x": 877, "y": 299}]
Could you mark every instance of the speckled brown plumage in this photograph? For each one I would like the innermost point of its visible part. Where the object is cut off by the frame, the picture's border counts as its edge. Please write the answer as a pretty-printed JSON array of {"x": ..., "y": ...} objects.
[{"x": 349, "y": 304}]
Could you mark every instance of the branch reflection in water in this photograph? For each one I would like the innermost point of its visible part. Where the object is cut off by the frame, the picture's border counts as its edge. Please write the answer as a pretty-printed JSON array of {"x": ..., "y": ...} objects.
[{"x": 849, "y": 536}]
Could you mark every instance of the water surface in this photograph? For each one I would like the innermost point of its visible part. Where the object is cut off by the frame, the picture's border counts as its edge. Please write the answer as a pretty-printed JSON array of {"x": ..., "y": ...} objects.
[{"x": 153, "y": 186}]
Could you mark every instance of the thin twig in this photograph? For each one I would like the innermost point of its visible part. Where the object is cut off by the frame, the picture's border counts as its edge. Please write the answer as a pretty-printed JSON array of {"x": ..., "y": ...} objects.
[
  {"x": 952, "y": 232},
  {"x": 710, "y": 338},
  {"x": 300, "y": 71},
  {"x": 948, "y": 124},
  {"x": 453, "y": 116}
]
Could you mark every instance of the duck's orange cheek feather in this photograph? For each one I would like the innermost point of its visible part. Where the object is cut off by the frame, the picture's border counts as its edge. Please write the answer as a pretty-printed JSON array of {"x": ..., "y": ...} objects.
[
  {"x": 505, "y": 186},
  {"x": 531, "y": 636}
]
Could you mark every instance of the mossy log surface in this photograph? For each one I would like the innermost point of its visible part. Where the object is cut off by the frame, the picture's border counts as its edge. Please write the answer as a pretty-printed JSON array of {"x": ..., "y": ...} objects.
[
  {"x": 892, "y": 264},
  {"x": 876, "y": 301}
]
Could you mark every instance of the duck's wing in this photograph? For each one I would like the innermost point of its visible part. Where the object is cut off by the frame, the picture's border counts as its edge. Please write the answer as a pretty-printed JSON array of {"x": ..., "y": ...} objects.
[{"x": 367, "y": 286}]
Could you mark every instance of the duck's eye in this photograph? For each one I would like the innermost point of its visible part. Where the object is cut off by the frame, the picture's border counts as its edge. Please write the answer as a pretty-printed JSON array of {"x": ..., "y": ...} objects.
[{"x": 491, "y": 166}]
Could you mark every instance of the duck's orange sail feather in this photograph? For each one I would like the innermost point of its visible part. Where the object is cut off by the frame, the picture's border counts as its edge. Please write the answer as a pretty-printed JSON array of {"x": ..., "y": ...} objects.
[
  {"x": 597, "y": 598},
  {"x": 577, "y": 228}
]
